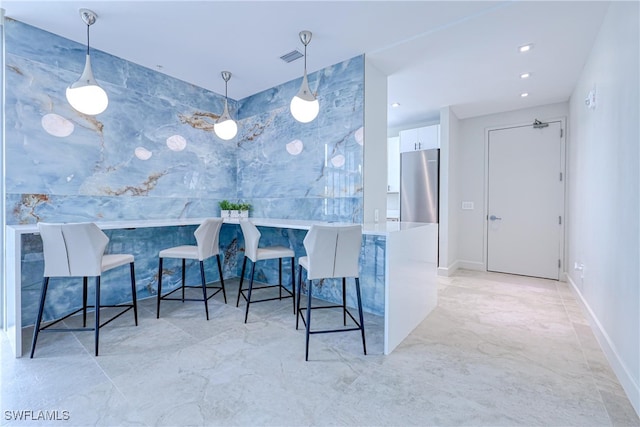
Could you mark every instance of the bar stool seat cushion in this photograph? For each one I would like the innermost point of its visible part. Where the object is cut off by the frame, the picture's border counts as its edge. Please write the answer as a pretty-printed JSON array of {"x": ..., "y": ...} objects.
[
  {"x": 113, "y": 261},
  {"x": 185, "y": 251},
  {"x": 274, "y": 252}
]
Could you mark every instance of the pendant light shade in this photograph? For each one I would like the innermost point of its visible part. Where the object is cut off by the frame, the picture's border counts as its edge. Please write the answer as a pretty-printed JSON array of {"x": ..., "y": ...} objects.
[
  {"x": 85, "y": 95},
  {"x": 304, "y": 106},
  {"x": 225, "y": 127}
]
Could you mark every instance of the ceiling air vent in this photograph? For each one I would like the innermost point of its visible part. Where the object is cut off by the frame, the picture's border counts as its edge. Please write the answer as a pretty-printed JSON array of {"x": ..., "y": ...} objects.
[{"x": 291, "y": 56}]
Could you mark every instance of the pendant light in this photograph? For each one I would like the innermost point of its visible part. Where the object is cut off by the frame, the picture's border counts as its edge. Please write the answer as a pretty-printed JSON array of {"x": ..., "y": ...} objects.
[
  {"x": 225, "y": 128},
  {"x": 85, "y": 95},
  {"x": 304, "y": 106}
]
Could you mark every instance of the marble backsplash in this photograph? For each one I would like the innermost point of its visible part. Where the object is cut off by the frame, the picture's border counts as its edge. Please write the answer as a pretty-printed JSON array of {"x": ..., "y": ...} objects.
[{"x": 153, "y": 152}]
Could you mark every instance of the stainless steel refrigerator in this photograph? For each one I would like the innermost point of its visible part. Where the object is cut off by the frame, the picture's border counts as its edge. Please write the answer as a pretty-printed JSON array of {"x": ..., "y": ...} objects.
[{"x": 419, "y": 173}]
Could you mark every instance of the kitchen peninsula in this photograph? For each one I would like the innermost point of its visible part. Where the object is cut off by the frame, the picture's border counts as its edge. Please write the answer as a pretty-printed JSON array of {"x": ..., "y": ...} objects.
[{"x": 398, "y": 266}]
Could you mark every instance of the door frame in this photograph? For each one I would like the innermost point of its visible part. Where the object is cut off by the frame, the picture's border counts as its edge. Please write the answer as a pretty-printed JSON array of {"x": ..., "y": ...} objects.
[{"x": 563, "y": 169}]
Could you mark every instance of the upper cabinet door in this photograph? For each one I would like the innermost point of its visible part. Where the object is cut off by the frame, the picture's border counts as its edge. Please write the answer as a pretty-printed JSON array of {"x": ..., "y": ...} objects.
[
  {"x": 424, "y": 138},
  {"x": 408, "y": 140},
  {"x": 429, "y": 137}
]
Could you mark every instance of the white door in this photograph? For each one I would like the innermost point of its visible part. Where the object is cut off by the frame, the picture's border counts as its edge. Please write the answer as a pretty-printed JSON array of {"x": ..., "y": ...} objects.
[{"x": 526, "y": 200}]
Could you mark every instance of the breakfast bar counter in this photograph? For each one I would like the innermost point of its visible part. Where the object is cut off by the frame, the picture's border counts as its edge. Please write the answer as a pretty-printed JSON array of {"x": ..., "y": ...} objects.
[{"x": 398, "y": 258}]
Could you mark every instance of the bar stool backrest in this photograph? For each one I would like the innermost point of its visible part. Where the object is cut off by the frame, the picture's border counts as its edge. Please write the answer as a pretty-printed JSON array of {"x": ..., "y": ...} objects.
[
  {"x": 207, "y": 237},
  {"x": 72, "y": 250},
  {"x": 348, "y": 251},
  {"x": 333, "y": 251},
  {"x": 251, "y": 239}
]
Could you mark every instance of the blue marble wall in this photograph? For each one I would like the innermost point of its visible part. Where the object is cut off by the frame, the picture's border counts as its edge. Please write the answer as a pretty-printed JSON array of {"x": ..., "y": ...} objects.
[
  {"x": 153, "y": 154},
  {"x": 312, "y": 170}
]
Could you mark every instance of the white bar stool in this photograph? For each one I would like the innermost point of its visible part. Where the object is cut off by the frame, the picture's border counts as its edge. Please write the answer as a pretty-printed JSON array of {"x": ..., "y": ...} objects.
[
  {"x": 254, "y": 253},
  {"x": 77, "y": 250},
  {"x": 207, "y": 239},
  {"x": 332, "y": 252}
]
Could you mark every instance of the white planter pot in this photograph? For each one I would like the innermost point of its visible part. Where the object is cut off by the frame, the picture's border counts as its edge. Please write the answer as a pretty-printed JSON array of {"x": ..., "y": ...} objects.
[
  {"x": 244, "y": 214},
  {"x": 234, "y": 213},
  {"x": 224, "y": 213}
]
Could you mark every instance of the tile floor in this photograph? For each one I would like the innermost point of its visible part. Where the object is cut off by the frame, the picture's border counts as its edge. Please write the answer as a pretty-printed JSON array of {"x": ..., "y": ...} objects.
[{"x": 499, "y": 350}]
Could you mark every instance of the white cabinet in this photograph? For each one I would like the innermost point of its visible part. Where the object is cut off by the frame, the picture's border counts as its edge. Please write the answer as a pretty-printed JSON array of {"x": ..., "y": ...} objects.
[
  {"x": 393, "y": 165},
  {"x": 423, "y": 138}
]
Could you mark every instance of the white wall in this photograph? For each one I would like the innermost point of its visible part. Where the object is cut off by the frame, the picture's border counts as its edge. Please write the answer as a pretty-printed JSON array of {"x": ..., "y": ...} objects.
[
  {"x": 375, "y": 145},
  {"x": 603, "y": 223},
  {"x": 449, "y": 188},
  {"x": 469, "y": 164}
]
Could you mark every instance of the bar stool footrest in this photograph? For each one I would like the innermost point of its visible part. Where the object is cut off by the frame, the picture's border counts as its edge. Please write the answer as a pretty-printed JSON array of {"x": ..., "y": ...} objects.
[
  {"x": 166, "y": 296},
  {"x": 267, "y": 299}
]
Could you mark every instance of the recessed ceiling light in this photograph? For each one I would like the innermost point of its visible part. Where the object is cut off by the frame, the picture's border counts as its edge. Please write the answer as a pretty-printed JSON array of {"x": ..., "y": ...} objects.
[
  {"x": 395, "y": 104},
  {"x": 524, "y": 95},
  {"x": 525, "y": 75},
  {"x": 525, "y": 48}
]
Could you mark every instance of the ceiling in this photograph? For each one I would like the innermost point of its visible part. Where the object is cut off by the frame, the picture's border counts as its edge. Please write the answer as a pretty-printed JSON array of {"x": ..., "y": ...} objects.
[{"x": 462, "y": 54}]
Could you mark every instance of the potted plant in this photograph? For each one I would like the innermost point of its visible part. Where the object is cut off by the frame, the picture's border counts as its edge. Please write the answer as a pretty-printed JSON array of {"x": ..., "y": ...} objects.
[
  {"x": 225, "y": 208},
  {"x": 244, "y": 209}
]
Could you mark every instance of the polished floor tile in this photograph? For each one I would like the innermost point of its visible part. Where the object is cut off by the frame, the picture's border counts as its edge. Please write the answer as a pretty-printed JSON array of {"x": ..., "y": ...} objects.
[{"x": 499, "y": 350}]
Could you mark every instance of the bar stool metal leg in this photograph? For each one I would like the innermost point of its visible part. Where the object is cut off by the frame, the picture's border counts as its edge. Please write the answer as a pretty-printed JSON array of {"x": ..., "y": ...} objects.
[
  {"x": 36, "y": 329},
  {"x": 344, "y": 300},
  {"x": 293, "y": 283},
  {"x": 246, "y": 312},
  {"x": 306, "y": 354},
  {"x": 134, "y": 297},
  {"x": 204, "y": 289},
  {"x": 244, "y": 265},
  {"x": 184, "y": 274},
  {"x": 84, "y": 302},
  {"x": 297, "y": 304},
  {"x": 280, "y": 278},
  {"x": 224, "y": 293},
  {"x": 159, "y": 288},
  {"x": 364, "y": 344},
  {"x": 97, "y": 311}
]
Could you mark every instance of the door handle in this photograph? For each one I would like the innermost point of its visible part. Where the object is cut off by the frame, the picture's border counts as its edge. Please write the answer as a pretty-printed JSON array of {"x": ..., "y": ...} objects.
[{"x": 494, "y": 218}]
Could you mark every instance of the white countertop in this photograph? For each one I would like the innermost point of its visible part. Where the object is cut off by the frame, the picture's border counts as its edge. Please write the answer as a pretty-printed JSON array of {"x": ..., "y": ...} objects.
[{"x": 376, "y": 229}]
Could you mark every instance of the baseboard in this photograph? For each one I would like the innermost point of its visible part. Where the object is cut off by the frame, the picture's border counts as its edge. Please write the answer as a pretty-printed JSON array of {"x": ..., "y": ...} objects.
[
  {"x": 457, "y": 265},
  {"x": 472, "y": 265},
  {"x": 448, "y": 271},
  {"x": 628, "y": 383}
]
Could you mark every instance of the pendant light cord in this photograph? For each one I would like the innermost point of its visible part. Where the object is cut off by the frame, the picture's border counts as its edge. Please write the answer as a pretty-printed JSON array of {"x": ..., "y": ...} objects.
[
  {"x": 305, "y": 59},
  {"x": 87, "y": 39}
]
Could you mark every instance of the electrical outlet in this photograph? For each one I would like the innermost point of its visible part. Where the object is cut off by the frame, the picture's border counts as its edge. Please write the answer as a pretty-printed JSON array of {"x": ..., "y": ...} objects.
[{"x": 578, "y": 266}]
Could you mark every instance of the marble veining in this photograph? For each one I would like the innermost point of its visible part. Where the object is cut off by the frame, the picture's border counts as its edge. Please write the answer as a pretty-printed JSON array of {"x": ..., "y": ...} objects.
[
  {"x": 155, "y": 139},
  {"x": 152, "y": 154}
]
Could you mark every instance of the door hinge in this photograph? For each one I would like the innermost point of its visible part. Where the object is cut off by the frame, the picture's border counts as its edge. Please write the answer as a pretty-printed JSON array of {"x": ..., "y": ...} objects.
[
  {"x": 561, "y": 132},
  {"x": 560, "y": 220},
  {"x": 560, "y": 176},
  {"x": 559, "y": 264}
]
